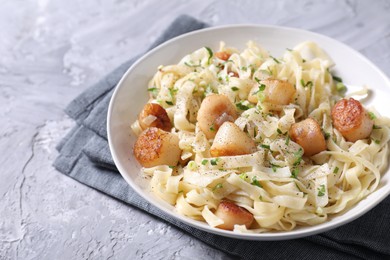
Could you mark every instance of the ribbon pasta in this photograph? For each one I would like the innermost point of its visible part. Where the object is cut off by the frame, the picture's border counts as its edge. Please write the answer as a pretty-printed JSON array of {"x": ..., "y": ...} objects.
[{"x": 279, "y": 186}]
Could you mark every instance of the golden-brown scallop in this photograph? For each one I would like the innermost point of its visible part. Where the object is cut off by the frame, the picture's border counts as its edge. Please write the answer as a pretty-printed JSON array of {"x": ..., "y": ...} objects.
[
  {"x": 277, "y": 92},
  {"x": 351, "y": 119},
  {"x": 157, "y": 147},
  {"x": 308, "y": 134},
  {"x": 222, "y": 55},
  {"x": 213, "y": 112},
  {"x": 230, "y": 140},
  {"x": 232, "y": 215},
  {"x": 154, "y": 115}
]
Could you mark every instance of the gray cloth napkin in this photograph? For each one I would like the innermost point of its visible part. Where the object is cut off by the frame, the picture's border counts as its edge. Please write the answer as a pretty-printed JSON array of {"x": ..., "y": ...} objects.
[{"x": 84, "y": 155}]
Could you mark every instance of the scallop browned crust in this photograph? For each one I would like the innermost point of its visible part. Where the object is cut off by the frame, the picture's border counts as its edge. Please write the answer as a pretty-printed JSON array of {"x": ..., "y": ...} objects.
[
  {"x": 213, "y": 112},
  {"x": 351, "y": 119},
  {"x": 308, "y": 134},
  {"x": 232, "y": 215},
  {"x": 157, "y": 147},
  {"x": 161, "y": 117}
]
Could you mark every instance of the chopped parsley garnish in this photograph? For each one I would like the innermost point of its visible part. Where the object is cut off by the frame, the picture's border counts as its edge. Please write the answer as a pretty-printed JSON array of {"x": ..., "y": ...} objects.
[
  {"x": 298, "y": 156},
  {"x": 212, "y": 128},
  {"x": 276, "y": 60},
  {"x": 287, "y": 140},
  {"x": 327, "y": 135},
  {"x": 371, "y": 115},
  {"x": 376, "y": 127},
  {"x": 335, "y": 78},
  {"x": 234, "y": 88},
  {"x": 154, "y": 91},
  {"x": 169, "y": 103},
  {"x": 210, "y": 54},
  {"x": 336, "y": 170},
  {"x": 170, "y": 166},
  {"x": 214, "y": 161},
  {"x": 204, "y": 161},
  {"x": 341, "y": 87},
  {"x": 243, "y": 107},
  {"x": 279, "y": 131},
  {"x": 294, "y": 173},
  {"x": 274, "y": 167},
  {"x": 321, "y": 190},
  {"x": 243, "y": 176},
  {"x": 265, "y": 146},
  {"x": 307, "y": 84},
  {"x": 218, "y": 186},
  {"x": 377, "y": 141},
  {"x": 244, "y": 68},
  {"x": 256, "y": 182}
]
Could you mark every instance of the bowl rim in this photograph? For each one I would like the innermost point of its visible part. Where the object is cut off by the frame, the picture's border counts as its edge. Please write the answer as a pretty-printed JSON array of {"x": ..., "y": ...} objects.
[{"x": 274, "y": 236}]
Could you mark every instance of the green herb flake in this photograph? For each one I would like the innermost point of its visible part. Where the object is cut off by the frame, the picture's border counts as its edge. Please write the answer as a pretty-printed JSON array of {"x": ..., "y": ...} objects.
[
  {"x": 256, "y": 182},
  {"x": 279, "y": 131},
  {"x": 170, "y": 166},
  {"x": 275, "y": 59},
  {"x": 371, "y": 115},
  {"x": 287, "y": 140},
  {"x": 210, "y": 54},
  {"x": 241, "y": 106},
  {"x": 298, "y": 156},
  {"x": 204, "y": 161},
  {"x": 327, "y": 135},
  {"x": 307, "y": 84},
  {"x": 154, "y": 91},
  {"x": 218, "y": 186},
  {"x": 274, "y": 167},
  {"x": 376, "y": 127},
  {"x": 377, "y": 141},
  {"x": 336, "y": 170},
  {"x": 212, "y": 128},
  {"x": 294, "y": 173},
  {"x": 341, "y": 87},
  {"x": 243, "y": 176},
  {"x": 235, "y": 88},
  {"x": 335, "y": 78},
  {"x": 321, "y": 190},
  {"x": 265, "y": 146},
  {"x": 214, "y": 161},
  {"x": 169, "y": 103},
  {"x": 243, "y": 68}
]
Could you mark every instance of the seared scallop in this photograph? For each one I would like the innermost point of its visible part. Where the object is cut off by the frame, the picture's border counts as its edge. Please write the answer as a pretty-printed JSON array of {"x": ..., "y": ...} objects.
[
  {"x": 154, "y": 115},
  {"x": 213, "y": 112},
  {"x": 308, "y": 134},
  {"x": 277, "y": 92},
  {"x": 157, "y": 147},
  {"x": 351, "y": 119},
  {"x": 231, "y": 140},
  {"x": 232, "y": 215}
]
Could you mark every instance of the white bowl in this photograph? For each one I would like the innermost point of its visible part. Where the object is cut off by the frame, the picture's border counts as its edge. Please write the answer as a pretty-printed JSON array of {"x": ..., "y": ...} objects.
[{"x": 130, "y": 95}]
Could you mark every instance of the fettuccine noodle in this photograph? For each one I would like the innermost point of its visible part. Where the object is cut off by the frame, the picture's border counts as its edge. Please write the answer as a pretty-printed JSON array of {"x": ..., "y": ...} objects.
[{"x": 275, "y": 182}]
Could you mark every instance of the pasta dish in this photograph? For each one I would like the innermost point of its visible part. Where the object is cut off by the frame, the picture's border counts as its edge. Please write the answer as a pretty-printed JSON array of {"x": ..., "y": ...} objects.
[{"x": 249, "y": 142}]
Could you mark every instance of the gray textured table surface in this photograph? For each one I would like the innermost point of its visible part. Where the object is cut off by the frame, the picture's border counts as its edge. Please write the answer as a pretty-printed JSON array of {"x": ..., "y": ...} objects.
[{"x": 50, "y": 51}]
